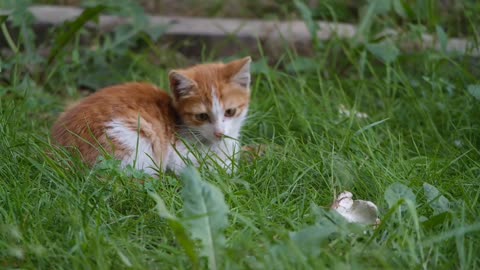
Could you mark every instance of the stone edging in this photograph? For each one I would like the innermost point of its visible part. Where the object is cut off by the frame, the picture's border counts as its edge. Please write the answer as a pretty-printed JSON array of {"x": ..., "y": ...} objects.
[{"x": 270, "y": 33}]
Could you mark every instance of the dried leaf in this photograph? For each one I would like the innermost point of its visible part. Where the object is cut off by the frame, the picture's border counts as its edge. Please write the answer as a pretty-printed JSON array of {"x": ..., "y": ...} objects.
[
  {"x": 386, "y": 51},
  {"x": 356, "y": 211}
]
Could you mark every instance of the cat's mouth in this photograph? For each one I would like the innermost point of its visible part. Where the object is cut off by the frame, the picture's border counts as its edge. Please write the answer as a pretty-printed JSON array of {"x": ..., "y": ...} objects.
[
  {"x": 200, "y": 137},
  {"x": 214, "y": 139},
  {"x": 204, "y": 139}
]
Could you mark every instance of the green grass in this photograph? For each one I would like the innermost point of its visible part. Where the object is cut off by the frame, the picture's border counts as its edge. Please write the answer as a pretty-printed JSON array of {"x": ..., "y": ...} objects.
[{"x": 423, "y": 127}]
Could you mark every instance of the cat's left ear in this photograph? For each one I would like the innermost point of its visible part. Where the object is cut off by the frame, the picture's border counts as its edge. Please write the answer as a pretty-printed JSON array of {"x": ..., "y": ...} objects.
[
  {"x": 180, "y": 84},
  {"x": 239, "y": 71}
]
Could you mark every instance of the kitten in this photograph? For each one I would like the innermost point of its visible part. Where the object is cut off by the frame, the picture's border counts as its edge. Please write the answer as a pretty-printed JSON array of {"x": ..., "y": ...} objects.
[{"x": 145, "y": 127}]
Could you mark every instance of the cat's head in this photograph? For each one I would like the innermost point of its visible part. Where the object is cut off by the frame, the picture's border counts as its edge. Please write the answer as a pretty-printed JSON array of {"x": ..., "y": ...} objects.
[{"x": 212, "y": 99}]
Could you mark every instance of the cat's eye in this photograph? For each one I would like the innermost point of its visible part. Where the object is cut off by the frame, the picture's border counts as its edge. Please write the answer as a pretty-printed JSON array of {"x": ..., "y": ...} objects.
[
  {"x": 230, "y": 112},
  {"x": 202, "y": 117}
]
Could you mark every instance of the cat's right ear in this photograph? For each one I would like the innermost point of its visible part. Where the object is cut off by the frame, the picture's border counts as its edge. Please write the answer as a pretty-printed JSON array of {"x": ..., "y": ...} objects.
[{"x": 180, "y": 85}]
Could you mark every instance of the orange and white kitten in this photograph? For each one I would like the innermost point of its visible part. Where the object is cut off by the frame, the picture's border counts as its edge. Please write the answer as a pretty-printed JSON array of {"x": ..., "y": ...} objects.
[{"x": 145, "y": 127}]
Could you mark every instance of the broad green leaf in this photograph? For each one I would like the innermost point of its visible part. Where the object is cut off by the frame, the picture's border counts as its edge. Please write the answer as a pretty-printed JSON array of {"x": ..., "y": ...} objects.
[
  {"x": 309, "y": 239},
  {"x": 435, "y": 199},
  {"x": 442, "y": 38},
  {"x": 436, "y": 220},
  {"x": 399, "y": 8},
  {"x": 205, "y": 214},
  {"x": 385, "y": 51},
  {"x": 382, "y": 6},
  {"x": 326, "y": 218},
  {"x": 178, "y": 229},
  {"x": 103, "y": 72},
  {"x": 396, "y": 192},
  {"x": 19, "y": 14},
  {"x": 474, "y": 90},
  {"x": 155, "y": 32},
  {"x": 72, "y": 28},
  {"x": 260, "y": 66},
  {"x": 161, "y": 207}
]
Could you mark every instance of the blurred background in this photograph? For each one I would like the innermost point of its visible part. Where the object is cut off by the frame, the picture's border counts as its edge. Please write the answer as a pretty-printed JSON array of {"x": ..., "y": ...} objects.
[
  {"x": 99, "y": 54},
  {"x": 457, "y": 14}
]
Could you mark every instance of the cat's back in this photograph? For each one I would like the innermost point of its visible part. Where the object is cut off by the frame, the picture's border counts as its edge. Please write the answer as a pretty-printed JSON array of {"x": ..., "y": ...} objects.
[
  {"x": 118, "y": 101},
  {"x": 85, "y": 123},
  {"x": 123, "y": 96}
]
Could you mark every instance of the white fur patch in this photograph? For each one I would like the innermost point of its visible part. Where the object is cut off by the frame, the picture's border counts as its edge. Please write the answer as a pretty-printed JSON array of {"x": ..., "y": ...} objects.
[
  {"x": 140, "y": 149},
  {"x": 217, "y": 109}
]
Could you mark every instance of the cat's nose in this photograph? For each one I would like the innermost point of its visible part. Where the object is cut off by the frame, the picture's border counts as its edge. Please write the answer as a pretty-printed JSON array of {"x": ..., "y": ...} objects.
[{"x": 218, "y": 134}]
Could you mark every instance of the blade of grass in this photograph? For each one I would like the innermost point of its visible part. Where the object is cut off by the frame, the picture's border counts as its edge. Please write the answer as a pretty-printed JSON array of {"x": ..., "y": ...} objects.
[
  {"x": 6, "y": 34},
  {"x": 360, "y": 131}
]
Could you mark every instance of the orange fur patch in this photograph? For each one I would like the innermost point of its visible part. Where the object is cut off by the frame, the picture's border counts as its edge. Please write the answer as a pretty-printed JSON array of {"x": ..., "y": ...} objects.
[{"x": 152, "y": 112}]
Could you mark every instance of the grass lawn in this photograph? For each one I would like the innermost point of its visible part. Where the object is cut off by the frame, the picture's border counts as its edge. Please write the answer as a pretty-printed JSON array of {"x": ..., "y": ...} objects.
[{"x": 415, "y": 152}]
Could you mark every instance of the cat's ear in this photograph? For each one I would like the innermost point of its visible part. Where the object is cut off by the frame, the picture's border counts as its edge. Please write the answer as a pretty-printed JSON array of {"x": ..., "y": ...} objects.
[
  {"x": 239, "y": 71},
  {"x": 180, "y": 85}
]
